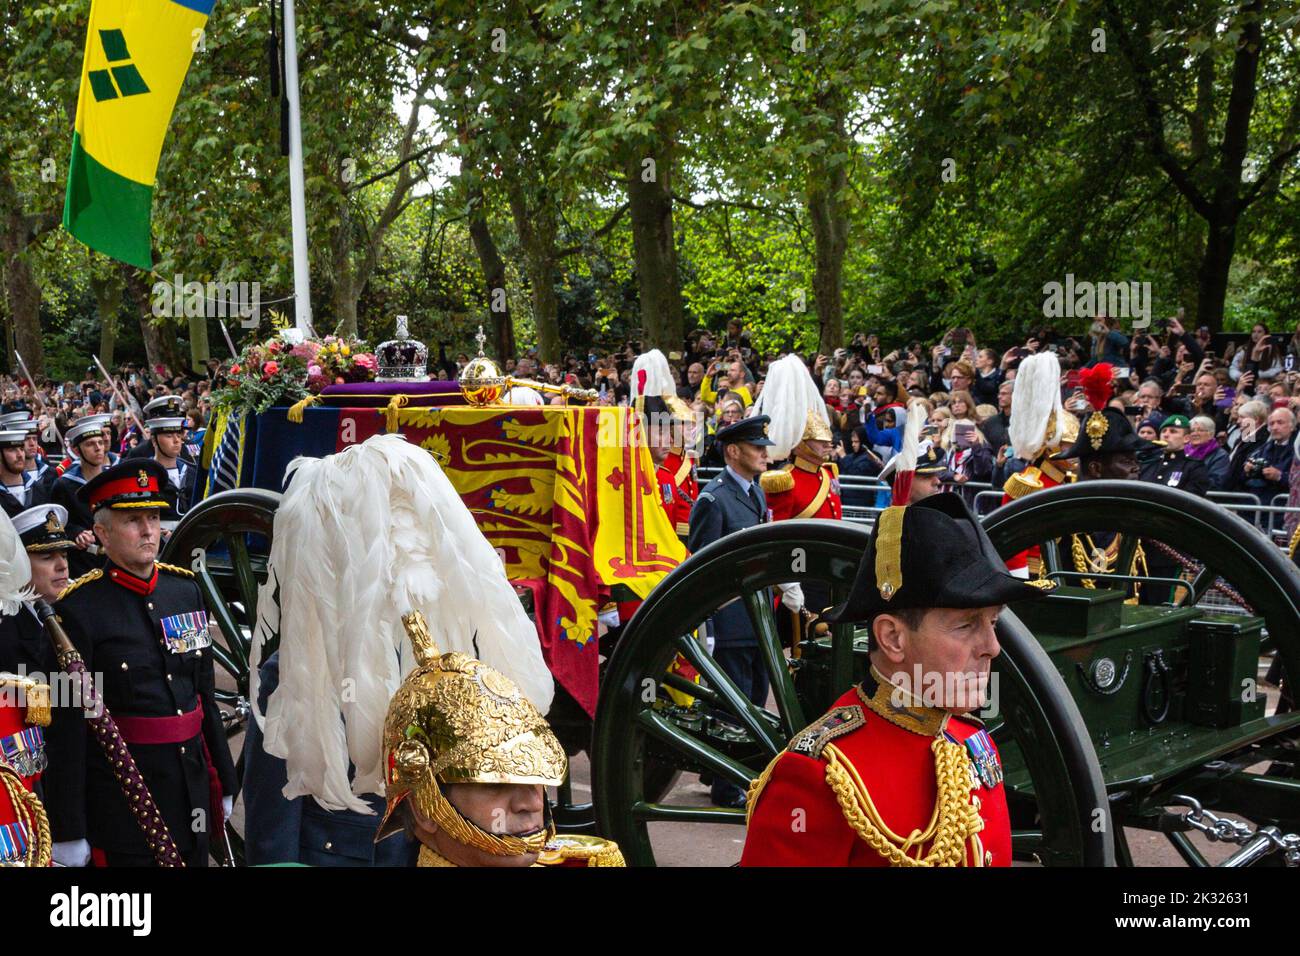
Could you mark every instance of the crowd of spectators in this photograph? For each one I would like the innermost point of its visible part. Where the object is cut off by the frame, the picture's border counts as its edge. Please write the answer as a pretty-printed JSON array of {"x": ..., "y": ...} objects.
[{"x": 1241, "y": 400}]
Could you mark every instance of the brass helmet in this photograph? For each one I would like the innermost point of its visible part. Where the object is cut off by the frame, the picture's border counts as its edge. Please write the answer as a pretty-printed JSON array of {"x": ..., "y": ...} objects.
[
  {"x": 816, "y": 428},
  {"x": 456, "y": 720}
]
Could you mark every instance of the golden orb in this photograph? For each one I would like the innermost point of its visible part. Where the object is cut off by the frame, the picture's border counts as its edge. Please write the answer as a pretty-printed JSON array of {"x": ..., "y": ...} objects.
[{"x": 481, "y": 382}]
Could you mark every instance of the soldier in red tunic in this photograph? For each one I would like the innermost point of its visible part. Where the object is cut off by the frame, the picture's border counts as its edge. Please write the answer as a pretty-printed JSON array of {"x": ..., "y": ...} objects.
[
  {"x": 1040, "y": 426},
  {"x": 899, "y": 772},
  {"x": 24, "y": 828},
  {"x": 666, "y": 418},
  {"x": 809, "y": 486}
]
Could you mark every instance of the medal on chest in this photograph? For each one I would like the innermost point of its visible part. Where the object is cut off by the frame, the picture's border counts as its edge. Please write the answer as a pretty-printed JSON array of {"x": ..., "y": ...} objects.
[
  {"x": 182, "y": 633},
  {"x": 984, "y": 759}
]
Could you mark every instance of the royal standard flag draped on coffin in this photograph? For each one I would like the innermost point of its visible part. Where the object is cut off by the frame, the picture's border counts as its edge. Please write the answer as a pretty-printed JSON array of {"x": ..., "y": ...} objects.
[{"x": 137, "y": 55}]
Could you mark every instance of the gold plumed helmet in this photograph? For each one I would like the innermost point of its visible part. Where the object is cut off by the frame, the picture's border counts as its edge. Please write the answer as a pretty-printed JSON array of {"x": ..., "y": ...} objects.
[
  {"x": 456, "y": 720},
  {"x": 816, "y": 428}
]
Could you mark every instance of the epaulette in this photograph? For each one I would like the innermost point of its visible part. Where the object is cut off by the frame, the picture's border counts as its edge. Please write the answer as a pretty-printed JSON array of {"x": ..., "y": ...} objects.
[
  {"x": 1023, "y": 482},
  {"x": 183, "y": 572},
  {"x": 835, "y": 469},
  {"x": 86, "y": 578},
  {"x": 776, "y": 482},
  {"x": 577, "y": 849},
  {"x": 813, "y": 739}
]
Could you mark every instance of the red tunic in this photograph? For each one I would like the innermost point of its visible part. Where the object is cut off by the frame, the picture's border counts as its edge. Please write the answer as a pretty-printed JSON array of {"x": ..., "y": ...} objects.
[
  {"x": 1050, "y": 475},
  {"x": 677, "y": 490},
  {"x": 797, "y": 820},
  {"x": 814, "y": 494}
]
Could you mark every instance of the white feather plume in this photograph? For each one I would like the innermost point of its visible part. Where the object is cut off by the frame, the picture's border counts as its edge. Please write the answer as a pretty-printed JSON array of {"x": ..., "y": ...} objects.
[
  {"x": 659, "y": 377},
  {"x": 361, "y": 538},
  {"x": 789, "y": 394},
  {"x": 15, "y": 570},
  {"x": 1034, "y": 397}
]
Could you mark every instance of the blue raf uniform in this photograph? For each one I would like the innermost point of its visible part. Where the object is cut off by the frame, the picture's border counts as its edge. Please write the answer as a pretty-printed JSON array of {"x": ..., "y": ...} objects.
[{"x": 725, "y": 505}]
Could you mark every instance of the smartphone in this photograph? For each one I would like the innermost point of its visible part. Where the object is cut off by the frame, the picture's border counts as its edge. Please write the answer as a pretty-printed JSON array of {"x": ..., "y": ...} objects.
[
  {"x": 1122, "y": 372},
  {"x": 875, "y": 369}
]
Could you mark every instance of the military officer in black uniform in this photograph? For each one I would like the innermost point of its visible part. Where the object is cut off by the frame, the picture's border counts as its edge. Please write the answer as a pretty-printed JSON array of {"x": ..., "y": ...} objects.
[
  {"x": 142, "y": 626},
  {"x": 1173, "y": 467},
  {"x": 24, "y": 648},
  {"x": 730, "y": 502}
]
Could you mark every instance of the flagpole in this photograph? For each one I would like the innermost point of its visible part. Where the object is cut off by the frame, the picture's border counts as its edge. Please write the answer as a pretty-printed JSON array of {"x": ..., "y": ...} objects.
[{"x": 297, "y": 190}]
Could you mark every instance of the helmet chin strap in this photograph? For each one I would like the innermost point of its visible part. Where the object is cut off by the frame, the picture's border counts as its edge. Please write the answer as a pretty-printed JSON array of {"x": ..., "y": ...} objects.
[{"x": 433, "y": 803}]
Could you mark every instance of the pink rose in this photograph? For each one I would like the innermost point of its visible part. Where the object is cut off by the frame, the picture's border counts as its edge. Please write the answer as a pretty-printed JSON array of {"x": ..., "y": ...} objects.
[
  {"x": 314, "y": 371},
  {"x": 366, "y": 361},
  {"x": 270, "y": 368}
]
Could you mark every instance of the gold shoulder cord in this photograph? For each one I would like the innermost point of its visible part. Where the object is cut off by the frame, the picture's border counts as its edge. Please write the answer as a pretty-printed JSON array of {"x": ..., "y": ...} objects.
[
  {"x": 954, "y": 821},
  {"x": 30, "y": 812},
  {"x": 1295, "y": 543},
  {"x": 1084, "y": 563},
  {"x": 86, "y": 578},
  {"x": 183, "y": 572}
]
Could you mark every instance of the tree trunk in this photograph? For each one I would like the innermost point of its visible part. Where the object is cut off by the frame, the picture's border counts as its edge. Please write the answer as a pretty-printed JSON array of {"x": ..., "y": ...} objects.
[
  {"x": 830, "y": 228},
  {"x": 1212, "y": 293},
  {"x": 200, "y": 350},
  {"x": 22, "y": 293},
  {"x": 494, "y": 279},
  {"x": 536, "y": 228},
  {"x": 107, "y": 288},
  {"x": 171, "y": 350},
  {"x": 650, "y": 205},
  {"x": 138, "y": 291}
]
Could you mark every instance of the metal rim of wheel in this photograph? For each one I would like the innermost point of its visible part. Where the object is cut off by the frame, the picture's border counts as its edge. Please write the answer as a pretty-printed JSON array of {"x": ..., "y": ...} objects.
[
  {"x": 1221, "y": 548},
  {"x": 630, "y": 720}
]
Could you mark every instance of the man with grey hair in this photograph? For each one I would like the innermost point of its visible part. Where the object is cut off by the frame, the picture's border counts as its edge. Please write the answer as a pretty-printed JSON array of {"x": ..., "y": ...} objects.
[
  {"x": 141, "y": 628},
  {"x": 1267, "y": 472}
]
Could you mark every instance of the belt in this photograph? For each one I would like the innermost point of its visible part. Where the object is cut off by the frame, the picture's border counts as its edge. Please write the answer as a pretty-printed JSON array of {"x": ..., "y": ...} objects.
[{"x": 161, "y": 730}]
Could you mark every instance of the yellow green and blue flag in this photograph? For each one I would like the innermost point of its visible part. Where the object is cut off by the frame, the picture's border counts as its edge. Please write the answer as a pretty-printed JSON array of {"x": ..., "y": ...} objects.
[{"x": 137, "y": 55}]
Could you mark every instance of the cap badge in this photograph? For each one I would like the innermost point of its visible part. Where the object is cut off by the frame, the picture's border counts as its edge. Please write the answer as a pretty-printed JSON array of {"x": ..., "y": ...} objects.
[
  {"x": 1096, "y": 428},
  {"x": 142, "y": 479},
  {"x": 52, "y": 523}
]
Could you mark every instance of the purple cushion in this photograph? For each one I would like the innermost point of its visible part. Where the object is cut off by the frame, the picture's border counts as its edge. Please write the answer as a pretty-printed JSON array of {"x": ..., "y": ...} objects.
[{"x": 377, "y": 394}]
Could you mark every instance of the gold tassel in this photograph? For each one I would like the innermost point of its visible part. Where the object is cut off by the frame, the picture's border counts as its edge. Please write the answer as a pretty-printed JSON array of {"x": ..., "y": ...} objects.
[
  {"x": 296, "y": 410},
  {"x": 38, "y": 704},
  {"x": 390, "y": 413}
]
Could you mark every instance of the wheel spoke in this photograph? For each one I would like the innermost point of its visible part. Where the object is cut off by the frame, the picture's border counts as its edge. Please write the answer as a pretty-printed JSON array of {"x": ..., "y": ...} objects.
[
  {"x": 1128, "y": 545},
  {"x": 238, "y": 652},
  {"x": 1049, "y": 553},
  {"x": 650, "y": 812},
  {"x": 661, "y": 729},
  {"x": 689, "y": 687},
  {"x": 1201, "y": 584},
  {"x": 762, "y": 617},
  {"x": 242, "y": 565},
  {"x": 764, "y": 727}
]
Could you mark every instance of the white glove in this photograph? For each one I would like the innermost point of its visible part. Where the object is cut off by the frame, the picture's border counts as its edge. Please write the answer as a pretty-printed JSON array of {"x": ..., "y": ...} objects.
[
  {"x": 227, "y": 807},
  {"x": 609, "y": 618},
  {"x": 72, "y": 853},
  {"x": 791, "y": 597}
]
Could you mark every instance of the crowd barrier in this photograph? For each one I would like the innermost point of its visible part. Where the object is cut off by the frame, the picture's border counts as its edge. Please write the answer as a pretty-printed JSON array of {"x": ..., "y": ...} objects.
[{"x": 864, "y": 498}]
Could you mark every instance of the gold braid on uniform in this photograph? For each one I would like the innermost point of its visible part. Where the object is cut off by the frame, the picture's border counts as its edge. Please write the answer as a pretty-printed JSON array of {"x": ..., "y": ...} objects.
[
  {"x": 31, "y": 814},
  {"x": 1295, "y": 543},
  {"x": 954, "y": 821},
  {"x": 1083, "y": 562},
  {"x": 86, "y": 578},
  {"x": 183, "y": 572}
]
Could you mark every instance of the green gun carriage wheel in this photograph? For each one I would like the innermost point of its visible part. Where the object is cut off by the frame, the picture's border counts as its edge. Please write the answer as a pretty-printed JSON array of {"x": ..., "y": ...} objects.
[
  {"x": 636, "y": 722},
  {"x": 225, "y": 540},
  {"x": 1206, "y": 752}
]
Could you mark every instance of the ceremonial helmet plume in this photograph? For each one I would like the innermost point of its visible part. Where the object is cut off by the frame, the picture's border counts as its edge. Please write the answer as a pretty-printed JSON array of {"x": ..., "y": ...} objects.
[
  {"x": 795, "y": 406},
  {"x": 361, "y": 538},
  {"x": 1038, "y": 420}
]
